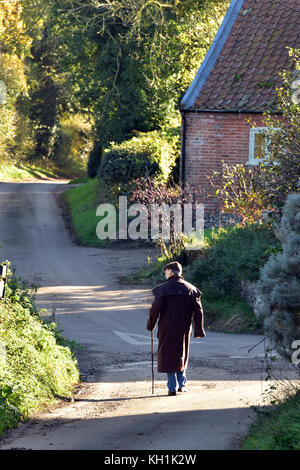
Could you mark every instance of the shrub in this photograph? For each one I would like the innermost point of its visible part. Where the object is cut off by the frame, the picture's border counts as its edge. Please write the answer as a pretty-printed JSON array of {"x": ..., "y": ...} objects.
[
  {"x": 233, "y": 254},
  {"x": 121, "y": 166},
  {"x": 148, "y": 192},
  {"x": 242, "y": 190},
  {"x": 147, "y": 154},
  {"x": 279, "y": 284}
]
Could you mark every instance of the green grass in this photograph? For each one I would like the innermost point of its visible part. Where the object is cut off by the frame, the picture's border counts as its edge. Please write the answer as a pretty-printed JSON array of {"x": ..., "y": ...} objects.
[
  {"x": 25, "y": 171},
  {"x": 41, "y": 169},
  {"x": 231, "y": 315},
  {"x": 38, "y": 367},
  {"x": 83, "y": 201},
  {"x": 278, "y": 429},
  {"x": 148, "y": 276}
]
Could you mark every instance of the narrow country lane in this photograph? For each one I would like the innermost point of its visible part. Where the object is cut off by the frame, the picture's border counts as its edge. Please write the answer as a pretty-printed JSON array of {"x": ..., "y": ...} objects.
[{"x": 114, "y": 408}]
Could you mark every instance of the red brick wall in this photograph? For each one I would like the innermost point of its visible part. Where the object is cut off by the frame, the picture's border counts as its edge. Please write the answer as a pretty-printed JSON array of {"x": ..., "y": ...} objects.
[{"x": 211, "y": 138}]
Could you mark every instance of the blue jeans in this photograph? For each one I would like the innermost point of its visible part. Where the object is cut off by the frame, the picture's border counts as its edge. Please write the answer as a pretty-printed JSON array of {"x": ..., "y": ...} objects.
[{"x": 175, "y": 378}]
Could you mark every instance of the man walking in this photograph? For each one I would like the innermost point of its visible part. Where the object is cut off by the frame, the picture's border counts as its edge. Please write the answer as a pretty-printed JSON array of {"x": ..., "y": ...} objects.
[{"x": 177, "y": 306}]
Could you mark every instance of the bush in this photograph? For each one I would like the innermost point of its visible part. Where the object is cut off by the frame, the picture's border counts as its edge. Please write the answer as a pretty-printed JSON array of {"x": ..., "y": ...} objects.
[
  {"x": 147, "y": 154},
  {"x": 278, "y": 288},
  {"x": 121, "y": 166},
  {"x": 242, "y": 190},
  {"x": 151, "y": 192},
  {"x": 38, "y": 366},
  {"x": 233, "y": 254}
]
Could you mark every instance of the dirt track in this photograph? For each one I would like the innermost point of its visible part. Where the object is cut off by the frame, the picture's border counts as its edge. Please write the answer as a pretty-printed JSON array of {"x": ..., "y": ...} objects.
[{"x": 114, "y": 408}]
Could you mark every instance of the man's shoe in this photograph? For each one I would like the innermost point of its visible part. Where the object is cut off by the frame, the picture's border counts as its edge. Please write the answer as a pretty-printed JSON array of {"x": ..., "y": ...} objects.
[
  {"x": 182, "y": 389},
  {"x": 172, "y": 394}
]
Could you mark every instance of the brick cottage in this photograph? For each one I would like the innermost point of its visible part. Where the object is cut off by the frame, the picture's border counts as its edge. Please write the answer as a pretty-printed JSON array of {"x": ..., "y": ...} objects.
[{"x": 236, "y": 81}]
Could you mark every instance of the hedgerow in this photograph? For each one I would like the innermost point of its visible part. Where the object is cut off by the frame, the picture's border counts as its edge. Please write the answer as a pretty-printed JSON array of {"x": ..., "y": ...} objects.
[
  {"x": 37, "y": 365},
  {"x": 146, "y": 154}
]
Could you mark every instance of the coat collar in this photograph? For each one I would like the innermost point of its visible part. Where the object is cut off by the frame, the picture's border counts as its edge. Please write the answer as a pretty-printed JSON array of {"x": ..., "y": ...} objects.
[{"x": 176, "y": 277}]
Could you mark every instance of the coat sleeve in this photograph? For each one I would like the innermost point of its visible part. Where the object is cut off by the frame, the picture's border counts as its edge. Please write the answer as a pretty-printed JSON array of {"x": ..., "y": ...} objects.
[
  {"x": 198, "y": 319},
  {"x": 154, "y": 312}
]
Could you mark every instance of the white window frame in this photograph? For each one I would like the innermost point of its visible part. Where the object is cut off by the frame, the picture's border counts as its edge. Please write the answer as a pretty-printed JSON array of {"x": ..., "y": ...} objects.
[{"x": 259, "y": 130}]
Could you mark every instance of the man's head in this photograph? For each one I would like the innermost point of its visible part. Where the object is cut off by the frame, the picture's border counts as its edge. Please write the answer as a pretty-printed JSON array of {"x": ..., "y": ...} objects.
[{"x": 173, "y": 269}]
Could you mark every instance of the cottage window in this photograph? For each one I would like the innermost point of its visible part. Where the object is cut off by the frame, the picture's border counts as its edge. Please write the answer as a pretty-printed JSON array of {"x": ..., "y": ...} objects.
[{"x": 261, "y": 144}]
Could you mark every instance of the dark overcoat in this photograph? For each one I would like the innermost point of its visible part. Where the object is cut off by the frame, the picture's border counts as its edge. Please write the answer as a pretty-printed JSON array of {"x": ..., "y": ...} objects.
[{"x": 177, "y": 306}]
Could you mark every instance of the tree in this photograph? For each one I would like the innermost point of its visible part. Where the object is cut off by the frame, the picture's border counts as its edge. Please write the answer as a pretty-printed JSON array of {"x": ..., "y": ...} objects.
[
  {"x": 278, "y": 287},
  {"x": 51, "y": 96},
  {"x": 144, "y": 57},
  {"x": 125, "y": 63},
  {"x": 44, "y": 92},
  {"x": 15, "y": 129}
]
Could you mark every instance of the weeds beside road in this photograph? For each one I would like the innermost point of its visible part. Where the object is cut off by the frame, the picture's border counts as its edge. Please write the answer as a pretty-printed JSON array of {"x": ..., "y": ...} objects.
[{"x": 37, "y": 366}]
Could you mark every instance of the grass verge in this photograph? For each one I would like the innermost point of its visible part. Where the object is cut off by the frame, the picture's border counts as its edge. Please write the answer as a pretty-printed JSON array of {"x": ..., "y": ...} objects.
[
  {"x": 80, "y": 204},
  {"x": 11, "y": 172},
  {"x": 83, "y": 201},
  {"x": 40, "y": 170},
  {"x": 278, "y": 429},
  {"x": 37, "y": 365}
]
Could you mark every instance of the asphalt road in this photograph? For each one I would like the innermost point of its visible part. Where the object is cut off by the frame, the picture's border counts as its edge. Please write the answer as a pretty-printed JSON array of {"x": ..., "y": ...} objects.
[{"x": 80, "y": 285}]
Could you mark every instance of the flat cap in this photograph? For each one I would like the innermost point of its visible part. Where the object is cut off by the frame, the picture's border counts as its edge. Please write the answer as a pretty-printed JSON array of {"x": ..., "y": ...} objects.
[{"x": 174, "y": 266}]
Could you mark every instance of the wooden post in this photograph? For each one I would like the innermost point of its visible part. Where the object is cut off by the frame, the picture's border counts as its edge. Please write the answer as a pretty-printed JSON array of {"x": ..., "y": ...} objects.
[{"x": 3, "y": 274}]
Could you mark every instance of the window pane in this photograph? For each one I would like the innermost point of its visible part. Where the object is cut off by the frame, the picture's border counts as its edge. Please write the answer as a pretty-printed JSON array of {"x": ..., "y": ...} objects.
[
  {"x": 259, "y": 146},
  {"x": 259, "y": 153},
  {"x": 260, "y": 140}
]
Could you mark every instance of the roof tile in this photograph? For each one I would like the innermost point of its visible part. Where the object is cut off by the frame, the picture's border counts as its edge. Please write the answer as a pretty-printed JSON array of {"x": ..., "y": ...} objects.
[{"x": 246, "y": 72}]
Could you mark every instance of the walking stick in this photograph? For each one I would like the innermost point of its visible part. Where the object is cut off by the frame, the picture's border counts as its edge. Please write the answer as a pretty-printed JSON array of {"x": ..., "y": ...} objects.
[{"x": 152, "y": 355}]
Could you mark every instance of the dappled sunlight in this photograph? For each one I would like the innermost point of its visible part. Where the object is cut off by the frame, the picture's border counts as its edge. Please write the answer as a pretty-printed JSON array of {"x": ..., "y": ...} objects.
[{"x": 91, "y": 298}]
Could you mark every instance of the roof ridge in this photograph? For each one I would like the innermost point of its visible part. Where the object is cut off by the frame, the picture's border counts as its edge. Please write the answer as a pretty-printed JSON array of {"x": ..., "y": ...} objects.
[
  {"x": 213, "y": 53},
  {"x": 243, "y": 71}
]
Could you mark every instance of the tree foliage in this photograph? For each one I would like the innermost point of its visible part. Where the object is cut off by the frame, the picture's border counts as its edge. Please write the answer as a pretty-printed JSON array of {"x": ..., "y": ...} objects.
[
  {"x": 283, "y": 170},
  {"x": 234, "y": 254},
  {"x": 15, "y": 127},
  {"x": 241, "y": 190},
  {"x": 123, "y": 64},
  {"x": 279, "y": 283},
  {"x": 146, "y": 53}
]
